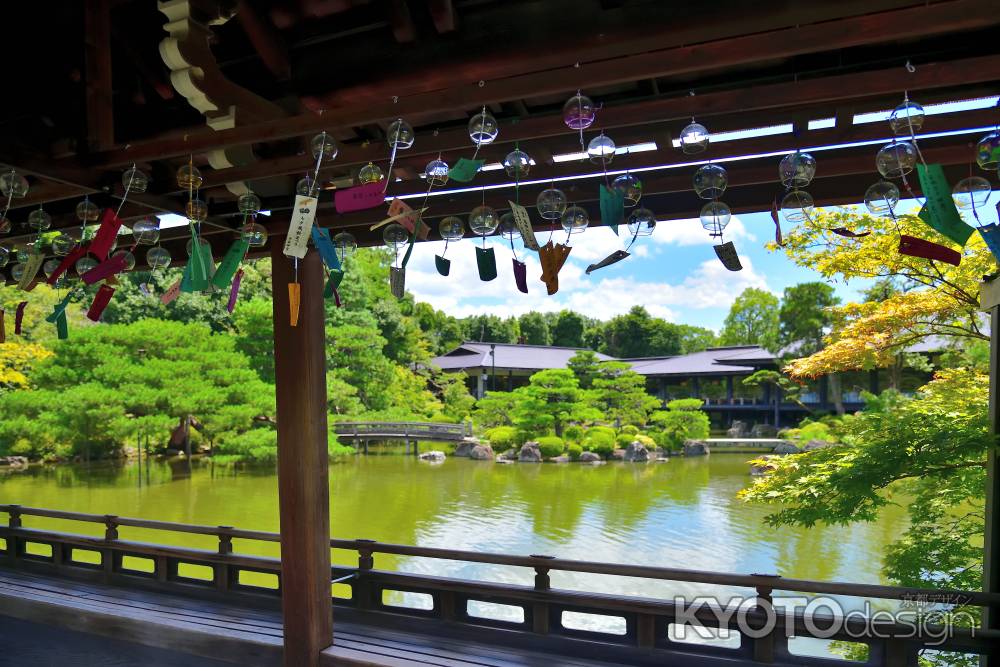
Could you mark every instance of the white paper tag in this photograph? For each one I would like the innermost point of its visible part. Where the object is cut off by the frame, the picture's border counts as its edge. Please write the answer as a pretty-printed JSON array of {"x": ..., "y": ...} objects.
[
  {"x": 300, "y": 226},
  {"x": 523, "y": 222}
]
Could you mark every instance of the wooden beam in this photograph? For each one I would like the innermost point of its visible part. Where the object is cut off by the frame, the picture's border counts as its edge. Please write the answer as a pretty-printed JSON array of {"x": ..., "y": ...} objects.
[
  {"x": 303, "y": 483},
  {"x": 443, "y": 15},
  {"x": 265, "y": 39},
  {"x": 97, "y": 50},
  {"x": 910, "y": 23}
]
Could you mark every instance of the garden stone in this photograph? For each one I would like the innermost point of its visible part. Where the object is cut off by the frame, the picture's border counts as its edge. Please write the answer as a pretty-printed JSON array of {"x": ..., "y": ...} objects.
[
  {"x": 618, "y": 455},
  {"x": 695, "y": 448},
  {"x": 562, "y": 458},
  {"x": 763, "y": 467},
  {"x": 434, "y": 456},
  {"x": 763, "y": 431},
  {"x": 590, "y": 457},
  {"x": 786, "y": 448},
  {"x": 737, "y": 430},
  {"x": 636, "y": 453},
  {"x": 530, "y": 453},
  {"x": 14, "y": 461},
  {"x": 482, "y": 453},
  {"x": 816, "y": 444},
  {"x": 465, "y": 448},
  {"x": 508, "y": 455}
]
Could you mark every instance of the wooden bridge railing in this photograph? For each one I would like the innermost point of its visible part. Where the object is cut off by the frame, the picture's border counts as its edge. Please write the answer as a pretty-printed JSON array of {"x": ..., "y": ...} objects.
[
  {"x": 404, "y": 430},
  {"x": 537, "y": 610}
]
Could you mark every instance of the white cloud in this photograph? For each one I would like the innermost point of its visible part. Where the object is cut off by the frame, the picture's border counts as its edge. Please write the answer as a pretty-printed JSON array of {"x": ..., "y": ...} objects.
[
  {"x": 462, "y": 293},
  {"x": 688, "y": 232}
]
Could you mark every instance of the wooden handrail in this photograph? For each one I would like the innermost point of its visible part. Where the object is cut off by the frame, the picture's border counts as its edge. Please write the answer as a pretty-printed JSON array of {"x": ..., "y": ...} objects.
[{"x": 546, "y": 563}]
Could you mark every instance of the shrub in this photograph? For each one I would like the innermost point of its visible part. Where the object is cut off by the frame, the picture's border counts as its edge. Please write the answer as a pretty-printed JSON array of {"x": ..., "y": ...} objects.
[
  {"x": 810, "y": 431},
  {"x": 664, "y": 441},
  {"x": 550, "y": 446},
  {"x": 574, "y": 451},
  {"x": 599, "y": 441},
  {"x": 630, "y": 429},
  {"x": 573, "y": 433},
  {"x": 680, "y": 425},
  {"x": 645, "y": 441},
  {"x": 623, "y": 440},
  {"x": 685, "y": 404},
  {"x": 502, "y": 438}
]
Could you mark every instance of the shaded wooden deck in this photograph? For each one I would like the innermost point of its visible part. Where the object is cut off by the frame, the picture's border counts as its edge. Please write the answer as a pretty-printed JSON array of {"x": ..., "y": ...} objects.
[{"x": 95, "y": 623}]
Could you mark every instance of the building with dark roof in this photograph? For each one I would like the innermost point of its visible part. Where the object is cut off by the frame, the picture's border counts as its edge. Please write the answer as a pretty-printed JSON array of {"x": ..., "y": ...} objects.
[{"x": 714, "y": 375}]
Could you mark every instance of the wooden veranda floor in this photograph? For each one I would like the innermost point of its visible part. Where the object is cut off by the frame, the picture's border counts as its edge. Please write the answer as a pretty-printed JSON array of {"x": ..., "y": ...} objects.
[{"x": 93, "y": 624}]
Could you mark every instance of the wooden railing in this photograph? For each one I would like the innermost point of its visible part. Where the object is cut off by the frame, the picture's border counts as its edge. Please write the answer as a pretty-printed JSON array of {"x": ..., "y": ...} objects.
[{"x": 536, "y": 610}]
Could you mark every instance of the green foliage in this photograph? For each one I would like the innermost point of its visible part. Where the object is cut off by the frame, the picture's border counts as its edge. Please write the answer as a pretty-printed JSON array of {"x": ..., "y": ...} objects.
[
  {"x": 685, "y": 404},
  {"x": 502, "y": 438},
  {"x": 110, "y": 385},
  {"x": 645, "y": 441},
  {"x": 491, "y": 329},
  {"x": 574, "y": 450},
  {"x": 551, "y": 446},
  {"x": 638, "y": 334},
  {"x": 620, "y": 393},
  {"x": 928, "y": 452},
  {"x": 805, "y": 316},
  {"x": 600, "y": 440},
  {"x": 810, "y": 430},
  {"x": 680, "y": 422},
  {"x": 584, "y": 365},
  {"x": 534, "y": 329},
  {"x": 550, "y": 401},
  {"x": 495, "y": 409},
  {"x": 568, "y": 329},
  {"x": 623, "y": 440},
  {"x": 752, "y": 320},
  {"x": 573, "y": 433},
  {"x": 629, "y": 429}
]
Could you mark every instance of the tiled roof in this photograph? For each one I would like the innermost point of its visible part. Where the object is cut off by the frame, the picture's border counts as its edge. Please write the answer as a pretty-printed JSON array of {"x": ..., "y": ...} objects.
[
  {"x": 719, "y": 360},
  {"x": 512, "y": 356}
]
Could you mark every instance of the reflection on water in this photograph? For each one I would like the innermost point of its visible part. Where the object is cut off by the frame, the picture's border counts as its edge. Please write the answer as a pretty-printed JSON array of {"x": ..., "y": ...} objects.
[{"x": 682, "y": 513}]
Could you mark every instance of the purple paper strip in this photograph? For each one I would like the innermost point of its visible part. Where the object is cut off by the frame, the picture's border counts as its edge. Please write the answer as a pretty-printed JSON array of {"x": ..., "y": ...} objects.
[
  {"x": 234, "y": 291},
  {"x": 105, "y": 269},
  {"x": 521, "y": 276},
  {"x": 336, "y": 297}
]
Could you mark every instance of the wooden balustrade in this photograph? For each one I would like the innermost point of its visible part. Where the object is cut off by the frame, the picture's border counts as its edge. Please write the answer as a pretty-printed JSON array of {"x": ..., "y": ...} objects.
[{"x": 536, "y": 609}]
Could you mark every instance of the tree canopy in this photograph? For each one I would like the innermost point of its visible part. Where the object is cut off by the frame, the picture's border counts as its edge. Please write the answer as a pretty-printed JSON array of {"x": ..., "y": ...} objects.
[{"x": 752, "y": 320}]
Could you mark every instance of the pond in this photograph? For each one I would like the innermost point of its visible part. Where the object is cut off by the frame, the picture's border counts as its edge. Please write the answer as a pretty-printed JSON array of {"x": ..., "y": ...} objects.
[{"x": 682, "y": 513}]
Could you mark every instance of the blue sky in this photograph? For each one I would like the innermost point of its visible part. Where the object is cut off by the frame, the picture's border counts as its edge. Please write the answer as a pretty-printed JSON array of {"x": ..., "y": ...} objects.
[{"x": 674, "y": 273}]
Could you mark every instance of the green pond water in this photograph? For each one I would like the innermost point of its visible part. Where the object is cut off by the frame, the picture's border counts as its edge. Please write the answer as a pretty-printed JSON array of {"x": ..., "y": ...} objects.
[{"x": 682, "y": 513}]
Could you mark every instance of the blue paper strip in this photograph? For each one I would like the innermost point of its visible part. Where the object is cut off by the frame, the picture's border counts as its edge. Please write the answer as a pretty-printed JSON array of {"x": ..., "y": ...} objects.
[{"x": 321, "y": 239}]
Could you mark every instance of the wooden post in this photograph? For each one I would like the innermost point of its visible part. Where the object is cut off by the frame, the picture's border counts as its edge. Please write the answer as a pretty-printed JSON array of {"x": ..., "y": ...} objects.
[
  {"x": 990, "y": 302},
  {"x": 303, "y": 476}
]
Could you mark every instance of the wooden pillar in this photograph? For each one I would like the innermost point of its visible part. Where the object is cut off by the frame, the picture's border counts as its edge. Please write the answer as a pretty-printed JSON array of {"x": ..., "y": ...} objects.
[
  {"x": 97, "y": 56},
  {"x": 729, "y": 389},
  {"x": 990, "y": 302},
  {"x": 303, "y": 485}
]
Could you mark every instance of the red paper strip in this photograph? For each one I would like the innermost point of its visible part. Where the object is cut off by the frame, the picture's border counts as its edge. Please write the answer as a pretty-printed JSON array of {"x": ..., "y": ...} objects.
[
  {"x": 914, "y": 247},
  {"x": 3, "y": 329},
  {"x": 171, "y": 294},
  {"x": 101, "y": 300},
  {"x": 105, "y": 269},
  {"x": 19, "y": 317},
  {"x": 234, "y": 291},
  {"x": 336, "y": 297},
  {"x": 359, "y": 198},
  {"x": 398, "y": 206},
  {"x": 844, "y": 231},
  {"x": 68, "y": 261},
  {"x": 106, "y": 235}
]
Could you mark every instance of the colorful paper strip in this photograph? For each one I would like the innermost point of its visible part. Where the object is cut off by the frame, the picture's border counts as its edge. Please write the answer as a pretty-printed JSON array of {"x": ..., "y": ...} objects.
[
  {"x": 397, "y": 281},
  {"x": 294, "y": 301},
  {"x": 62, "y": 326},
  {"x": 359, "y": 198},
  {"x": 100, "y": 302},
  {"x": 100, "y": 246},
  {"x": 523, "y": 222},
  {"x": 109, "y": 267},
  {"x": 939, "y": 211},
  {"x": 487, "y": 262},
  {"x": 520, "y": 275},
  {"x": 234, "y": 291},
  {"x": 31, "y": 268},
  {"x": 726, "y": 252},
  {"x": 321, "y": 239},
  {"x": 230, "y": 264},
  {"x": 847, "y": 233},
  {"x": 3, "y": 328},
  {"x": 991, "y": 235},
  {"x": 300, "y": 226},
  {"x": 613, "y": 258},
  {"x": 19, "y": 317},
  {"x": 172, "y": 293},
  {"x": 68, "y": 261},
  {"x": 914, "y": 247},
  {"x": 443, "y": 265},
  {"x": 465, "y": 169},
  {"x": 612, "y": 207}
]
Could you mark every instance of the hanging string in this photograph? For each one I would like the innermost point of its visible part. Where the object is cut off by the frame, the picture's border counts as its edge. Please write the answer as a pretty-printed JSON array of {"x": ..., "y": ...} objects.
[
  {"x": 319, "y": 159},
  {"x": 479, "y": 142},
  {"x": 128, "y": 188},
  {"x": 10, "y": 193},
  {"x": 392, "y": 155}
]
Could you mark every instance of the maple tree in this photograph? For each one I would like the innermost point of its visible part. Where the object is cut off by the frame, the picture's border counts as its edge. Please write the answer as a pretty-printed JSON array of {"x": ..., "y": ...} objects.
[{"x": 934, "y": 298}]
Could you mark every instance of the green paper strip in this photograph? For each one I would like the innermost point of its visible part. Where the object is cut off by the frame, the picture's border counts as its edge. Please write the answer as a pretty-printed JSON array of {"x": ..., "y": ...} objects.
[
  {"x": 612, "y": 207},
  {"x": 62, "y": 327},
  {"x": 59, "y": 308},
  {"x": 487, "y": 262},
  {"x": 939, "y": 211},
  {"x": 443, "y": 265},
  {"x": 230, "y": 264},
  {"x": 465, "y": 170},
  {"x": 413, "y": 240},
  {"x": 336, "y": 277}
]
